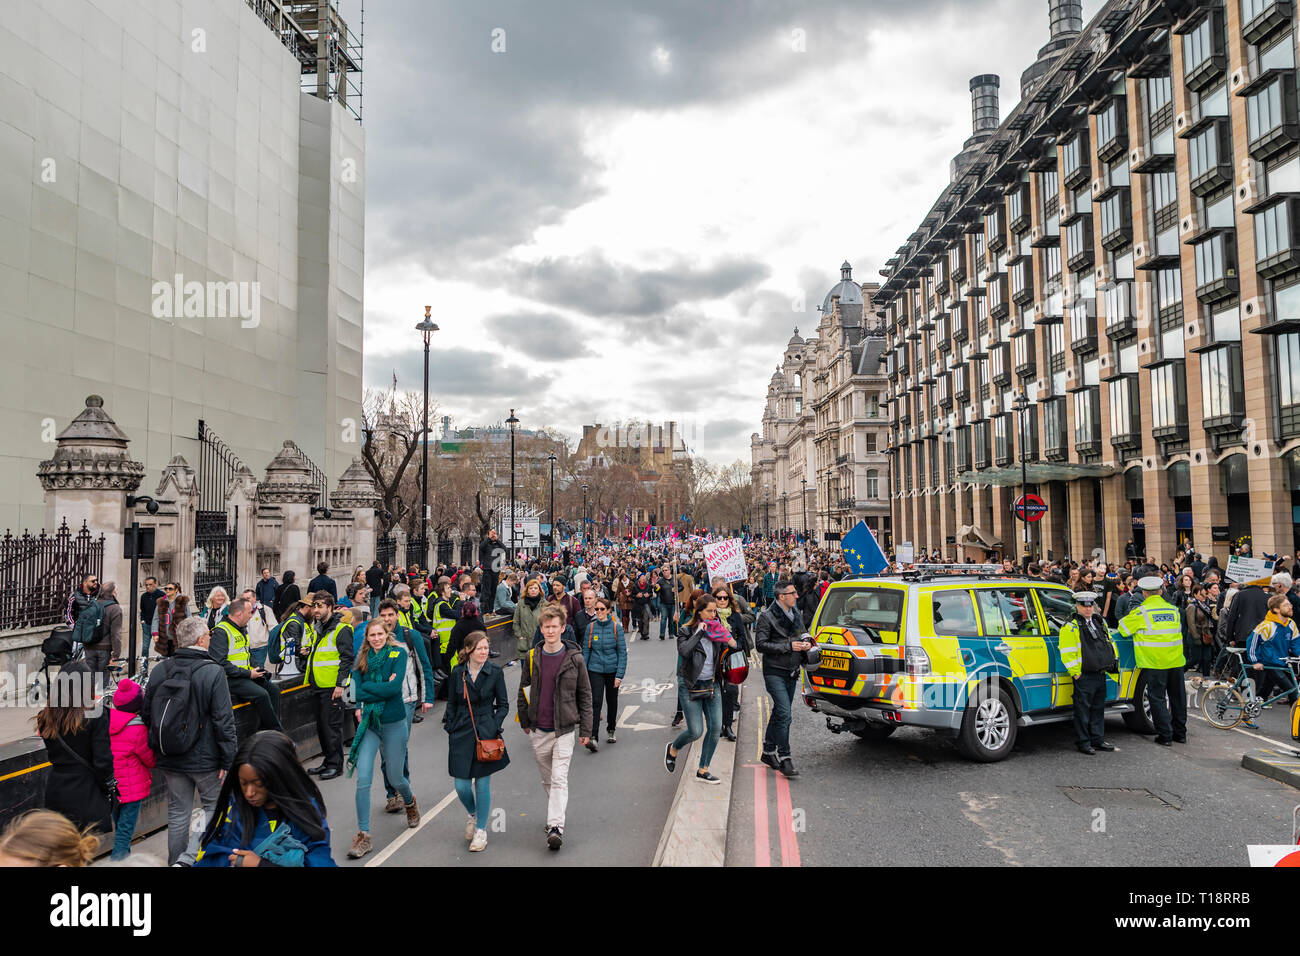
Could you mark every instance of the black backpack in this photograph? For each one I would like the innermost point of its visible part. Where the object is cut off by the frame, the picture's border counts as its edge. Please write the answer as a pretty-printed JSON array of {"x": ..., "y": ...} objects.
[{"x": 174, "y": 717}]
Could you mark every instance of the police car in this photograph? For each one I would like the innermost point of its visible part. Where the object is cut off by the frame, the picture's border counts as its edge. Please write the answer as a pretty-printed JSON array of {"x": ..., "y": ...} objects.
[{"x": 962, "y": 649}]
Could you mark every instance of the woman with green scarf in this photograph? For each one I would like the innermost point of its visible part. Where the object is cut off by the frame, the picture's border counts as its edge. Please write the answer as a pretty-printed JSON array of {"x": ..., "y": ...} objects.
[{"x": 377, "y": 678}]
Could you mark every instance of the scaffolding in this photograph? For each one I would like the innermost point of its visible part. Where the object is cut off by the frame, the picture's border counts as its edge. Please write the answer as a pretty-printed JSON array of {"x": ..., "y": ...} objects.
[{"x": 328, "y": 53}]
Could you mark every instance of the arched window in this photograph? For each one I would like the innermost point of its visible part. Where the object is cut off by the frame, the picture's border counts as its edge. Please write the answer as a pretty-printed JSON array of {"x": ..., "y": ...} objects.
[{"x": 873, "y": 483}]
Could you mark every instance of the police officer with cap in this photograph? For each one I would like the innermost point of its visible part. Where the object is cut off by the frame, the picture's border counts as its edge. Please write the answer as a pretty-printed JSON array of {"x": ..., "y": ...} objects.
[
  {"x": 1156, "y": 628},
  {"x": 1087, "y": 653}
]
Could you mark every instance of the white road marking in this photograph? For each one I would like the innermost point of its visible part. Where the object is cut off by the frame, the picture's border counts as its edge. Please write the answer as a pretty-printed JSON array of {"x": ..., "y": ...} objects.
[
  {"x": 407, "y": 834},
  {"x": 628, "y": 711},
  {"x": 1289, "y": 745}
]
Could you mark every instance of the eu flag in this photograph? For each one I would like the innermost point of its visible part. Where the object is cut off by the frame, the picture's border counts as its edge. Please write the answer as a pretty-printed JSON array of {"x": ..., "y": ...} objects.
[{"x": 862, "y": 552}]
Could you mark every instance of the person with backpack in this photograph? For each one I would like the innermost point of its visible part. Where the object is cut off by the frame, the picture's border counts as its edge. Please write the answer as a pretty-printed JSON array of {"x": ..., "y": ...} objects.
[
  {"x": 133, "y": 763},
  {"x": 292, "y": 632},
  {"x": 99, "y": 630},
  {"x": 604, "y": 650},
  {"x": 191, "y": 732},
  {"x": 272, "y": 814}
]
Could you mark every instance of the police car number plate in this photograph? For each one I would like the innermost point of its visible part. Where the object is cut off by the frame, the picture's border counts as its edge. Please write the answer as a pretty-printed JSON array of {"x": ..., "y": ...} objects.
[{"x": 833, "y": 661}]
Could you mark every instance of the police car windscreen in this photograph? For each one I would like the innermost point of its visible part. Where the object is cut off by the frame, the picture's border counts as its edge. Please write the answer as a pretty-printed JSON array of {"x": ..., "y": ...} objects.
[{"x": 880, "y": 610}]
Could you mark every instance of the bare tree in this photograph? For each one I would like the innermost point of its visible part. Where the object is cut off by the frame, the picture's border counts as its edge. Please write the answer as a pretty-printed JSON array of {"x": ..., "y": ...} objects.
[{"x": 391, "y": 424}]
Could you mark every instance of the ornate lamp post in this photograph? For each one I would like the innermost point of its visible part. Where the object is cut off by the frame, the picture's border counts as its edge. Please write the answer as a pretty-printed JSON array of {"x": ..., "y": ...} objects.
[
  {"x": 426, "y": 330},
  {"x": 512, "y": 422},
  {"x": 552, "y": 459}
]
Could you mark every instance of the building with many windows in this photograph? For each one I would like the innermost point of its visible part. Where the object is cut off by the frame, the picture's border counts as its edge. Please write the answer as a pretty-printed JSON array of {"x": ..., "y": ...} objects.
[
  {"x": 1123, "y": 251},
  {"x": 819, "y": 463}
]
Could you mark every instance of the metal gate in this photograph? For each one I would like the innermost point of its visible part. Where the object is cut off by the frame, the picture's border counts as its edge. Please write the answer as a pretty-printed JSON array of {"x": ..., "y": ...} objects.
[
  {"x": 415, "y": 551},
  {"x": 466, "y": 552},
  {"x": 446, "y": 550},
  {"x": 385, "y": 550},
  {"x": 214, "y": 555},
  {"x": 214, "y": 543}
]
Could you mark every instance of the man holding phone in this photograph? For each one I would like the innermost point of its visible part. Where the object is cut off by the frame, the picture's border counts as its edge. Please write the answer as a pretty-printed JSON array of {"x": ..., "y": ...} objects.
[{"x": 780, "y": 639}]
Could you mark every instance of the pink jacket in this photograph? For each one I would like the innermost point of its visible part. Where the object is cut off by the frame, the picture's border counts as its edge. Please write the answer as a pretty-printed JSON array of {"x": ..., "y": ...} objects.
[{"x": 132, "y": 759}]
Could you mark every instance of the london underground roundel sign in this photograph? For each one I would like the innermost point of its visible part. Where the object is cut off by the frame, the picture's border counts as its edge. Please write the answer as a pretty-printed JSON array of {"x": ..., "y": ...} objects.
[{"x": 1030, "y": 508}]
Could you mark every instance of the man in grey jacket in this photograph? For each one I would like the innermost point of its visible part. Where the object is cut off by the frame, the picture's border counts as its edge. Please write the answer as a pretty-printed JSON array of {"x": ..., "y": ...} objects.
[
  {"x": 99, "y": 654},
  {"x": 203, "y": 767}
]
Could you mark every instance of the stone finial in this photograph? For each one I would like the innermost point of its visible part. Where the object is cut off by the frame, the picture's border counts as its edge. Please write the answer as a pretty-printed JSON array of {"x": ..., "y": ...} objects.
[
  {"x": 288, "y": 479},
  {"x": 178, "y": 475},
  {"x": 91, "y": 455},
  {"x": 356, "y": 488}
]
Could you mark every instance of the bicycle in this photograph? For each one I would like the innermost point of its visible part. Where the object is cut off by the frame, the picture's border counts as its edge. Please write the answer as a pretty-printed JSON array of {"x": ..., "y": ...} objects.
[{"x": 1225, "y": 706}]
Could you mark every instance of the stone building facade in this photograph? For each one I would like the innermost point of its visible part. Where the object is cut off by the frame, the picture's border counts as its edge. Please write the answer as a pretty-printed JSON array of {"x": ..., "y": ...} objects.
[{"x": 819, "y": 464}]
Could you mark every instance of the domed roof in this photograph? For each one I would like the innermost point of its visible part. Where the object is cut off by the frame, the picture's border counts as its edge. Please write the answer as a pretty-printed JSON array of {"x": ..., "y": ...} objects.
[
  {"x": 777, "y": 378},
  {"x": 795, "y": 340},
  {"x": 850, "y": 292}
]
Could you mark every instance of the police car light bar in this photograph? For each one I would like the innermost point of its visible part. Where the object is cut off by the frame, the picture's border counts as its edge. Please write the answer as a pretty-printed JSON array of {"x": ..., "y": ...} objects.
[{"x": 970, "y": 568}]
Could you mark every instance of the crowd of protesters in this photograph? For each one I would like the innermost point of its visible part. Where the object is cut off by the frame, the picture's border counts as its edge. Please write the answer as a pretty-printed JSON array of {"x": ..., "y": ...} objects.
[{"x": 398, "y": 639}]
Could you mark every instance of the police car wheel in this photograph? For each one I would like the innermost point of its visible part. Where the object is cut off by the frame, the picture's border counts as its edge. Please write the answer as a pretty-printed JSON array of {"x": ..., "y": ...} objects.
[
  {"x": 874, "y": 731},
  {"x": 988, "y": 729},
  {"x": 1139, "y": 719}
]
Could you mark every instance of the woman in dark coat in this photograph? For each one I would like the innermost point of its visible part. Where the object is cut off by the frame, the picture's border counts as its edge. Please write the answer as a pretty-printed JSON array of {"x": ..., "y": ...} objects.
[
  {"x": 287, "y": 596},
  {"x": 476, "y": 686},
  {"x": 78, "y": 749}
]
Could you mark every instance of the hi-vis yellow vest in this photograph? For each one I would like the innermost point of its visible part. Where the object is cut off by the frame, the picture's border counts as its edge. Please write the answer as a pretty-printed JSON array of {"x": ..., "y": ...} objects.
[
  {"x": 1157, "y": 631},
  {"x": 442, "y": 626},
  {"x": 237, "y": 652},
  {"x": 323, "y": 667}
]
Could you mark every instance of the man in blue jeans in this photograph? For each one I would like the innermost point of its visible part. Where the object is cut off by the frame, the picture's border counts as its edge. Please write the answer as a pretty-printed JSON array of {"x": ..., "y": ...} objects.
[
  {"x": 779, "y": 638},
  {"x": 667, "y": 600}
]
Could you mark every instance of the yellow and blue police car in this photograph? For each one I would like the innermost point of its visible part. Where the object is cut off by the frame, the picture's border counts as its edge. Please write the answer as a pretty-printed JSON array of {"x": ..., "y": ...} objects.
[{"x": 972, "y": 653}]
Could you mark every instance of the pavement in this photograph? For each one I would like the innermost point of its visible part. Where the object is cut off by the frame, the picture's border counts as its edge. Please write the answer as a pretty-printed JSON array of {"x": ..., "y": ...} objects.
[
  {"x": 913, "y": 800},
  {"x": 619, "y": 797}
]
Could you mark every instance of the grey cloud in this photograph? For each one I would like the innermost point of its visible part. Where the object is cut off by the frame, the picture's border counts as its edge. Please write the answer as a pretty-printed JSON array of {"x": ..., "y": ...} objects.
[
  {"x": 595, "y": 286},
  {"x": 455, "y": 375},
  {"x": 481, "y": 148},
  {"x": 543, "y": 336}
]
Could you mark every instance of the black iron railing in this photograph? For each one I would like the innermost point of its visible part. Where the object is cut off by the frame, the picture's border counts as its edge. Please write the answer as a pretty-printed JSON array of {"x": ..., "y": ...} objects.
[{"x": 39, "y": 573}]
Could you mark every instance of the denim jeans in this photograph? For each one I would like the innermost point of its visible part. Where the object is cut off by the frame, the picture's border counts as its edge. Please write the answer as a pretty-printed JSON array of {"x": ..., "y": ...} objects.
[
  {"x": 391, "y": 738},
  {"x": 124, "y": 821},
  {"x": 476, "y": 798},
  {"x": 698, "y": 712},
  {"x": 406, "y": 765},
  {"x": 665, "y": 612},
  {"x": 781, "y": 688}
]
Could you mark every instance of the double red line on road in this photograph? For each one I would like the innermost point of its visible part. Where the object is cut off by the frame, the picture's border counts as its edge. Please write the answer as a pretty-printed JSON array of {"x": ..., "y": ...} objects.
[{"x": 784, "y": 820}]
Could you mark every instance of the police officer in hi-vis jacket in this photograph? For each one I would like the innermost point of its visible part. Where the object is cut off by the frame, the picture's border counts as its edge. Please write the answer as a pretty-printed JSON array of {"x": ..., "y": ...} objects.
[{"x": 1089, "y": 655}]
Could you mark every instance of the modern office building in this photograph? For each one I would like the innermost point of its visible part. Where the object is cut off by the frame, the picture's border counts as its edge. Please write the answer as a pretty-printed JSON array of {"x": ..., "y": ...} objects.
[
  {"x": 181, "y": 230},
  {"x": 1124, "y": 250},
  {"x": 820, "y": 462}
]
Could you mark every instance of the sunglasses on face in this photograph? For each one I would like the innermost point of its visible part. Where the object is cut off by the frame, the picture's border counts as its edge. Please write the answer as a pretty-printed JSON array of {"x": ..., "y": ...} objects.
[{"x": 721, "y": 597}]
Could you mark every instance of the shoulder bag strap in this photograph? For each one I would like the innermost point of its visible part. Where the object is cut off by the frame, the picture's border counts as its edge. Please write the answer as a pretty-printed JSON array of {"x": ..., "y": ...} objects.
[{"x": 465, "y": 686}]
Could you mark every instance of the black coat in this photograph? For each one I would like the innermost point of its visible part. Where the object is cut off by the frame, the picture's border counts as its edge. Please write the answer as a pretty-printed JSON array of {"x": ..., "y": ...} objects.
[
  {"x": 287, "y": 597},
  {"x": 772, "y": 636},
  {"x": 1244, "y": 614},
  {"x": 72, "y": 788},
  {"x": 491, "y": 703},
  {"x": 377, "y": 581},
  {"x": 215, "y": 747},
  {"x": 322, "y": 582}
]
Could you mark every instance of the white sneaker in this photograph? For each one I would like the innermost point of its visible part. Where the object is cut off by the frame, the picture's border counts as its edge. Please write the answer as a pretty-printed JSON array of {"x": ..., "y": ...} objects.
[
  {"x": 479, "y": 841},
  {"x": 470, "y": 827}
]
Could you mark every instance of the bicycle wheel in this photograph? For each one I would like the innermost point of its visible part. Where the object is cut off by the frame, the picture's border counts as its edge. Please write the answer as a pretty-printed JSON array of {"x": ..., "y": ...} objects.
[{"x": 1223, "y": 707}]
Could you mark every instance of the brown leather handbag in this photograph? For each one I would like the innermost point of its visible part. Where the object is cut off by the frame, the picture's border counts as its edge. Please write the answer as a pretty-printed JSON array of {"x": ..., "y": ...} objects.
[{"x": 485, "y": 751}]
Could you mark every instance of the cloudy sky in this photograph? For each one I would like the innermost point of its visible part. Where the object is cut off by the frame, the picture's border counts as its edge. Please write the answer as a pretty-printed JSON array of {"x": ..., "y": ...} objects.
[{"x": 621, "y": 209}]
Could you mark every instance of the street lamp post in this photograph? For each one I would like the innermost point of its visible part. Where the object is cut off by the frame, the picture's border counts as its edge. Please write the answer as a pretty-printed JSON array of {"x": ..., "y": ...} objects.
[
  {"x": 1021, "y": 405},
  {"x": 552, "y": 460},
  {"x": 804, "y": 497},
  {"x": 426, "y": 330},
  {"x": 584, "y": 516},
  {"x": 512, "y": 422},
  {"x": 829, "y": 473}
]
